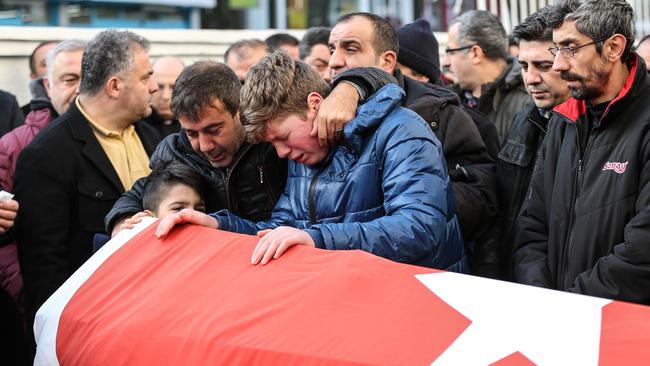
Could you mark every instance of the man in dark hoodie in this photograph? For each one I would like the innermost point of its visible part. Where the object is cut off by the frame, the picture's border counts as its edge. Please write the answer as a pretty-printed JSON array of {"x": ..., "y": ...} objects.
[
  {"x": 418, "y": 59},
  {"x": 367, "y": 40}
]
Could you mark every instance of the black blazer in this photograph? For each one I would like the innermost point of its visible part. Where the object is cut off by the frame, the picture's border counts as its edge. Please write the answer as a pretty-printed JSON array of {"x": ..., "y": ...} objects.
[{"x": 65, "y": 185}]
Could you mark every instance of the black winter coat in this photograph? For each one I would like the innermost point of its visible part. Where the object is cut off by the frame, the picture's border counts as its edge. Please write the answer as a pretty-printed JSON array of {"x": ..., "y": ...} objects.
[
  {"x": 586, "y": 228},
  {"x": 65, "y": 185},
  {"x": 472, "y": 171},
  {"x": 518, "y": 159},
  {"x": 249, "y": 188}
]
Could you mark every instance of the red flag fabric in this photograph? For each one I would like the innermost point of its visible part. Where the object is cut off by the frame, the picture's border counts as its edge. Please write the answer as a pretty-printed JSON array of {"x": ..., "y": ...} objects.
[{"x": 194, "y": 298}]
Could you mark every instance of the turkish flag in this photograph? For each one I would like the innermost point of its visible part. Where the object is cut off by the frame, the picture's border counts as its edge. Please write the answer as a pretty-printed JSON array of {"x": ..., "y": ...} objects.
[{"x": 194, "y": 298}]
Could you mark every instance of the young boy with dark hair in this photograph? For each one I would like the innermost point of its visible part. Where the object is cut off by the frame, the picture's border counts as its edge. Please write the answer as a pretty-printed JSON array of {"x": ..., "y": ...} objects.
[{"x": 170, "y": 188}]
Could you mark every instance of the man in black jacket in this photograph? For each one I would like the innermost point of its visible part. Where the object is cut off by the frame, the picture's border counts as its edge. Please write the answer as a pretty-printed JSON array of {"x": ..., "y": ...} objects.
[
  {"x": 74, "y": 170},
  {"x": 519, "y": 156},
  {"x": 418, "y": 59},
  {"x": 367, "y": 40},
  {"x": 585, "y": 228},
  {"x": 487, "y": 78}
]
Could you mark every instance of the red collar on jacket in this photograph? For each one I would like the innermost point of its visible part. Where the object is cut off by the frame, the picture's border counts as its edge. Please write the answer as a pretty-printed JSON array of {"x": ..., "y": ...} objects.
[{"x": 573, "y": 108}]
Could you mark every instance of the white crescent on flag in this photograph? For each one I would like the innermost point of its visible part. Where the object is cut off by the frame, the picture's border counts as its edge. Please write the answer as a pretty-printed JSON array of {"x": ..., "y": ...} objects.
[{"x": 194, "y": 298}]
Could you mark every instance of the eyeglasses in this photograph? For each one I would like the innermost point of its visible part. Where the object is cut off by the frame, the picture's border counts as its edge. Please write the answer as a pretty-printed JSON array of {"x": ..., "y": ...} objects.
[
  {"x": 452, "y": 50},
  {"x": 571, "y": 51}
]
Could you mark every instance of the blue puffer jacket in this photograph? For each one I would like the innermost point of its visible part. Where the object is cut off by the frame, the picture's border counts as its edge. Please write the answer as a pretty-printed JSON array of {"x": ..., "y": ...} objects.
[{"x": 384, "y": 190}]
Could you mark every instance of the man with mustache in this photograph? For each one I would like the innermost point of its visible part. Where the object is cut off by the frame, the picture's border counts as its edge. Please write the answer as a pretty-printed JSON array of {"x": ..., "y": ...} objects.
[
  {"x": 518, "y": 158},
  {"x": 586, "y": 225}
]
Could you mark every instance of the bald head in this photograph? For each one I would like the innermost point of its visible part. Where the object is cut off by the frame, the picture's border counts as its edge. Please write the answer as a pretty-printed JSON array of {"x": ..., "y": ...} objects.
[{"x": 165, "y": 72}]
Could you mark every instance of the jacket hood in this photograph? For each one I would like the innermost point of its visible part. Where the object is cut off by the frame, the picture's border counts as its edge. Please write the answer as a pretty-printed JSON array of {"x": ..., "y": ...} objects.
[
  {"x": 372, "y": 112},
  {"x": 512, "y": 78},
  {"x": 415, "y": 91},
  {"x": 39, "y": 95},
  {"x": 574, "y": 108}
]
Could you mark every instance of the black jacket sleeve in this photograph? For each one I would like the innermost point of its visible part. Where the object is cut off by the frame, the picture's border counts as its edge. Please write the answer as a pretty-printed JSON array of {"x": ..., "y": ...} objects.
[
  {"x": 368, "y": 79},
  {"x": 11, "y": 116},
  {"x": 128, "y": 204},
  {"x": 471, "y": 170}
]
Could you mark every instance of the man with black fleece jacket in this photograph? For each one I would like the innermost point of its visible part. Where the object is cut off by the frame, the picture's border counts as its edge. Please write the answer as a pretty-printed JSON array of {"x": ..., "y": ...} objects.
[{"x": 586, "y": 226}]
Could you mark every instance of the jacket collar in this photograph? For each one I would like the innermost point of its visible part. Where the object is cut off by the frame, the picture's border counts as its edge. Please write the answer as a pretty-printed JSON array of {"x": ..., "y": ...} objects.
[
  {"x": 574, "y": 108},
  {"x": 81, "y": 131},
  {"x": 371, "y": 113}
]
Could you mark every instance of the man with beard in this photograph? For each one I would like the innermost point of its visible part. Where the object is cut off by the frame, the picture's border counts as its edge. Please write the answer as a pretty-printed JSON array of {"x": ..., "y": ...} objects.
[{"x": 585, "y": 229}]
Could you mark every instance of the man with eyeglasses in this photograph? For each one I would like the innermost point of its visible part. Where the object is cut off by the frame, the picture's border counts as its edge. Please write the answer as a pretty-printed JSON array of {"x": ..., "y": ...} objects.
[
  {"x": 586, "y": 226},
  {"x": 487, "y": 78}
]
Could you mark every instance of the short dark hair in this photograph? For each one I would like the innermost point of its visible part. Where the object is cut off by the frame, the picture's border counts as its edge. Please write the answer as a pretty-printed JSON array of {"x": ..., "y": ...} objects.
[
  {"x": 242, "y": 48},
  {"x": 277, "y": 40},
  {"x": 314, "y": 36},
  {"x": 598, "y": 19},
  {"x": 164, "y": 177},
  {"x": 484, "y": 29},
  {"x": 534, "y": 28},
  {"x": 384, "y": 34},
  {"x": 108, "y": 53},
  {"x": 32, "y": 61},
  {"x": 200, "y": 84}
]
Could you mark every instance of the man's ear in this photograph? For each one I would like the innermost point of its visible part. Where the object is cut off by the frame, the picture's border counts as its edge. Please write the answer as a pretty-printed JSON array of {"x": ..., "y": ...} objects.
[
  {"x": 476, "y": 54},
  {"x": 47, "y": 86},
  {"x": 614, "y": 47},
  {"x": 114, "y": 86},
  {"x": 313, "y": 101},
  {"x": 388, "y": 61}
]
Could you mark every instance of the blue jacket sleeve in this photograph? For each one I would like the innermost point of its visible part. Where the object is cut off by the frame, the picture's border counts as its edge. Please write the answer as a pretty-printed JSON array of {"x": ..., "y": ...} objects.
[
  {"x": 281, "y": 216},
  {"x": 415, "y": 187}
]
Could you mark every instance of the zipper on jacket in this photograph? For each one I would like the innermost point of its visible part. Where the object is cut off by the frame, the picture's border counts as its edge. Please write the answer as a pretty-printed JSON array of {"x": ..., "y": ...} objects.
[
  {"x": 312, "y": 193},
  {"x": 574, "y": 205},
  {"x": 232, "y": 168},
  {"x": 267, "y": 184}
]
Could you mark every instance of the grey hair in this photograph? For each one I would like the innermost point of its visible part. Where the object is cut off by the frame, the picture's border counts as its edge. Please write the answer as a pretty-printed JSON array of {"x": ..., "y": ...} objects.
[
  {"x": 108, "y": 53},
  {"x": 484, "y": 29},
  {"x": 600, "y": 19},
  {"x": 68, "y": 45}
]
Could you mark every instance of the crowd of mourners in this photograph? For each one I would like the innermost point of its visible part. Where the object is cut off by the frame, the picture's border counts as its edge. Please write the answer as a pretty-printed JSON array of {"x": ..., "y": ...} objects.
[{"x": 528, "y": 164}]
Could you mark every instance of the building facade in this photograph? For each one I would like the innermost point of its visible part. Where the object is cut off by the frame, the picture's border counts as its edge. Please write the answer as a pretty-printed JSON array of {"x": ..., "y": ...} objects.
[{"x": 105, "y": 13}]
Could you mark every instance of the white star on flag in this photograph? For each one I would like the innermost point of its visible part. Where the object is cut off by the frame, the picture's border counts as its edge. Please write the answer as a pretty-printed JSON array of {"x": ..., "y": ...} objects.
[{"x": 546, "y": 326}]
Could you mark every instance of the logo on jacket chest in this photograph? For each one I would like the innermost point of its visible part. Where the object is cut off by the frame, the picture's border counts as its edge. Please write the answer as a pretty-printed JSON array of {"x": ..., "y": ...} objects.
[{"x": 617, "y": 167}]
